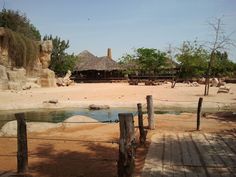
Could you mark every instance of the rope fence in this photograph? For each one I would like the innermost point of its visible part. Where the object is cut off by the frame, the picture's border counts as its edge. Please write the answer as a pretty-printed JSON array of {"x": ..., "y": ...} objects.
[{"x": 127, "y": 141}]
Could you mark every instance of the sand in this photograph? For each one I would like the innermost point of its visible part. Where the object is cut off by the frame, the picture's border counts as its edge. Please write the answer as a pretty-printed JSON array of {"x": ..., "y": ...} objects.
[
  {"x": 117, "y": 95},
  {"x": 94, "y": 153}
]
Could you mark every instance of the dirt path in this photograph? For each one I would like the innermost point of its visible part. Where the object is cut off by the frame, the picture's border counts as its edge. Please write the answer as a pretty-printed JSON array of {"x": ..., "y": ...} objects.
[
  {"x": 117, "y": 95},
  {"x": 94, "y": 151}
]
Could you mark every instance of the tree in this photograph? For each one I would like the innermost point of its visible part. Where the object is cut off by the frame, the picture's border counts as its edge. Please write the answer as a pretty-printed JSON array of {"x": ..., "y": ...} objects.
[
  {"x": 18, "y": 22},
  {"x": 193, "y": 60},
  {"x": 219, "y": 43},
  {"x": 60, "y": 60},
  {"x": 151, "y": 60},
  {"x": 222, "y": 67},
  {"x": 129, "y": 63}
]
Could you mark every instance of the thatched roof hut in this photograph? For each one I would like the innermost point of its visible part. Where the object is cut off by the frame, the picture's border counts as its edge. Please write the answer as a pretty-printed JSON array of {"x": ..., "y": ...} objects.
[
  {"x": 91, "y": 67},
  {"x": 87, "y": 61}
]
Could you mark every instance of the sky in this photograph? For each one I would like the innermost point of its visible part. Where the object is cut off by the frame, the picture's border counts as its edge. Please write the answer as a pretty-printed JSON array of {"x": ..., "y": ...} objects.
[{"x": 125, "y": 25}]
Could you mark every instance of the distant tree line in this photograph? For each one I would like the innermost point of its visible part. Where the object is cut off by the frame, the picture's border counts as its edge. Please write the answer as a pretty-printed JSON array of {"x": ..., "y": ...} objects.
[{"x": 191, "y": 59}]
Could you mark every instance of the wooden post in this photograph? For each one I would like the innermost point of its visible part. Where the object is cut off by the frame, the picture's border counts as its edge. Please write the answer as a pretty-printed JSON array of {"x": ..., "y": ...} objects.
[
  {"x": 150, "y": 110},
  {"x": 142, "y": 137},
  {"x": 126, "y": 163},
  {"x": 22, "y": 149},
  {"x": 199, "y": 110}
]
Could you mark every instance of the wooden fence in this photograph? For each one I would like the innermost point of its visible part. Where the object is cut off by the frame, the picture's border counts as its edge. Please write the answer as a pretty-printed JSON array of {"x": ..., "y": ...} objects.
[{"x": 127, "y": 142}]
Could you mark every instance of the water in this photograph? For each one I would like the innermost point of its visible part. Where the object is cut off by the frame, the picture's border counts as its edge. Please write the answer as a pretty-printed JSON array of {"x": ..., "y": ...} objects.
[{"x": 55, "y": 116}]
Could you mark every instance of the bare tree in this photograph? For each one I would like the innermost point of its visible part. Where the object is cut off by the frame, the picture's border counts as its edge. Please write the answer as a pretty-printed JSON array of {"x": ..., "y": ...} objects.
[{"x": 220, "y": 42}]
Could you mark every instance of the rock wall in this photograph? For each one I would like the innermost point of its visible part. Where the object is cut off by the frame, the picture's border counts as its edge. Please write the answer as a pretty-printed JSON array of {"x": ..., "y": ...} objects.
[{"x": 17, "y": 78}]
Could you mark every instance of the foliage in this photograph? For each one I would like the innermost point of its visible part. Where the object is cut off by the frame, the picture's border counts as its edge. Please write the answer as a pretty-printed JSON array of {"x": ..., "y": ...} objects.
[
  {"x": 145, "y": 61},
  {"x": 60, "y": 60},
  {"x": 222, "y": 66},
  {"x": 22, "y": 50},
  {"x": 193, "y": 60},
  {"x": 129, "y": 63},
  {"x": 18, "y": 22},
  {"x": 151, "y": 60}
]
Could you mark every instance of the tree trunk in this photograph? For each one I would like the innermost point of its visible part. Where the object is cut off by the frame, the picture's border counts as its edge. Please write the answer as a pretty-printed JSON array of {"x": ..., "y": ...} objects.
[{"x": 207, "y": 83}]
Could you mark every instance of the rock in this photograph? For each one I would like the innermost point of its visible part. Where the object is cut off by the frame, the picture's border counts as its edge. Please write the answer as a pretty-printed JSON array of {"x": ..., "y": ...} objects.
[
  {"x": 214, "y": 82},
  {"x": 202, "y": 80},
  {"x": 45, "y": 55},
  {"x": 3, "y": 78},
  {"x": 3, "y": 73},
  {"x": 66, "y": 81},
  {"x": 47, "y": 78},
  {"x": 194, "y": 84},
  {"x": 98, "y": 107},
  {"x": 17, "y": 75},
  {"x": 52, "y": 101},
  {"x": 223, "y": 89}
]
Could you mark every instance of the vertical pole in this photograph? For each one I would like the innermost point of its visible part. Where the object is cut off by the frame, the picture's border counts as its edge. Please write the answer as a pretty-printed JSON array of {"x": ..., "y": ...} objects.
[
  {"x": 150, "y": 110},
  {"x": 142, "y": 137},
  {"x": 126, "y": 163},
  {"x": 22, "y": 149},
  {"x": 199, "y": 110}
]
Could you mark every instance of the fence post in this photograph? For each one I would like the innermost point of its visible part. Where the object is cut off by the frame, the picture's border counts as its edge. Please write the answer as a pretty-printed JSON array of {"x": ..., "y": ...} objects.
[
  {"x": 22, "y": 149},
  {"x": 199, "y": 110},
  {"x": 126, "y": 162},
  {"x": 150, "y": 110},
  {"x": 142, "y": 137}
]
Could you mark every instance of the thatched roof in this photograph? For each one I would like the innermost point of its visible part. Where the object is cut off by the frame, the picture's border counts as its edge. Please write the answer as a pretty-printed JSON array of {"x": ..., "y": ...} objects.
[{"x": 88, "y": 61}]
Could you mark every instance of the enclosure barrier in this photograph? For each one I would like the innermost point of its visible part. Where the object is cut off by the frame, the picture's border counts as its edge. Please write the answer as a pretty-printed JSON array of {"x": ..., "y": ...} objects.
[{"x": 127, "y": 142}]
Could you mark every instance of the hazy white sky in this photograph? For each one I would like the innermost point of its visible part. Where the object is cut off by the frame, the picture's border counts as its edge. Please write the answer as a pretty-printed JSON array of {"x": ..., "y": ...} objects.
[{"x": 123, "y": 25}]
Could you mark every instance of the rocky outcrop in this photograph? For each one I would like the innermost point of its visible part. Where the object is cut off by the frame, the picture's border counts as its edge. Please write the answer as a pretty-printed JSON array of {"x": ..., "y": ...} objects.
[
  {"x": 16, "y": 79},
  {"x": 98, "y": 107},
  {"x": 14, "y": 76},
  {"x": 65, "y": 81},
  {"x": 47, "y": 78},
  {"x": 3, "y": 78},
  {"x": 45, "y": 54}
]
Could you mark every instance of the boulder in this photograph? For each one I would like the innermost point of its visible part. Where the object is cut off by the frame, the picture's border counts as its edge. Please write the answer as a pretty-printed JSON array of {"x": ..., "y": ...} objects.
[
  {"x": 194, "y": 84},
  {"x": 202, "y": 80},
  {"x": 65, "y": 81},
  {"x": 17, "y": 78},
  {"x": 3, "y": 78},
  {"x": 214, "y": 82},
  {"x": 17, "y": 75},
  {"x": 47, "y": 78},
  {"x": 223, "y": 89},
  {"x": 98, "y": 107},
  {"x": 45, "y": 54}
]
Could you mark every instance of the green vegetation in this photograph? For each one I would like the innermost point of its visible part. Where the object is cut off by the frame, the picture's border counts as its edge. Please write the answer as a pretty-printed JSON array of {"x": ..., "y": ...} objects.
[
  {"x": 193, "y": 59},
  {"x": 145, "y": 61},
  {"x": 18, "y": 22},
  {"x": 22, "y": 50},
  {"x": 61, "y": 62}
]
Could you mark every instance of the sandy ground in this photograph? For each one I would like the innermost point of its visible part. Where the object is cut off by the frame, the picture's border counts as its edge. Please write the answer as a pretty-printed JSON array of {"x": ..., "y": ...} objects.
[
  {"x": 94, "y": 155},
  {"x": 117, "y": 95}
]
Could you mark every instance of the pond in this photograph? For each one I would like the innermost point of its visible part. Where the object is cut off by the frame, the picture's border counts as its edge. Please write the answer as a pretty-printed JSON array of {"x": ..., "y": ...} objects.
[{"x": 55, "y": 116}]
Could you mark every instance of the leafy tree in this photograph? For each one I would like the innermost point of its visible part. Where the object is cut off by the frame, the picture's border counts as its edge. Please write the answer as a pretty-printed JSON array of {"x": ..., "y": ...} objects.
[
  {"x": 129, "y": 63},
  {"x": 193, "y": 60},
  {"x": 60, "y": 60},
  {"x": 151, "y": 60},
  {"x": 18, "y": 22},
  {"x": 222, "y": 66}
]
